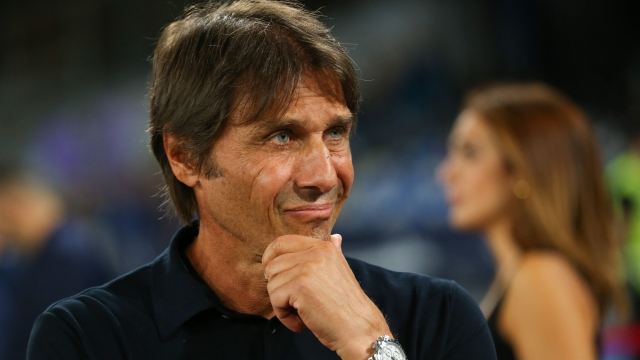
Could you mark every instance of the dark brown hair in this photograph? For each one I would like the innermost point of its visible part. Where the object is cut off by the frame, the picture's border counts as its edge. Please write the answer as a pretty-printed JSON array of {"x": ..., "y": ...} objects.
[
  {"x": 547, "y": 141},
  {"x": 226, "y": 54}
]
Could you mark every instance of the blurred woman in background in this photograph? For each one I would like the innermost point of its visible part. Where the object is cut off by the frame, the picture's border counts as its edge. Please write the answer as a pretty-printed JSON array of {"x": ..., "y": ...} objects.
[{"x": 524, "y": 170}]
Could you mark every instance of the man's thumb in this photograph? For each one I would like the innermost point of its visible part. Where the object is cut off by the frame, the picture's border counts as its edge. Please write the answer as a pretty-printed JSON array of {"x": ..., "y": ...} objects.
[{"x": 336, "y": 239}]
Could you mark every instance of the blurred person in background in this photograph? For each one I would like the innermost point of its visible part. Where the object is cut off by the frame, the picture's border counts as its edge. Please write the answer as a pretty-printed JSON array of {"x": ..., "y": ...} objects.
[
  {"x": 523, "y": 168},
  {"x": 44, "y": 256},
  {"x": 623, "y": 174}
]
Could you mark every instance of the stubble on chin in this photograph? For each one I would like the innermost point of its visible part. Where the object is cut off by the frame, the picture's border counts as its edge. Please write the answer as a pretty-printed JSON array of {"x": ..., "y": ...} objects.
[
  {"x": 321, "y": 234},
  {"x": 316, "y": 231}
]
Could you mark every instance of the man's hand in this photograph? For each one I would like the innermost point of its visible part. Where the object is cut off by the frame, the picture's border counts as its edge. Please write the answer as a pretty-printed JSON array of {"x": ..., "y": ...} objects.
[{"x": 311, "y": 285}]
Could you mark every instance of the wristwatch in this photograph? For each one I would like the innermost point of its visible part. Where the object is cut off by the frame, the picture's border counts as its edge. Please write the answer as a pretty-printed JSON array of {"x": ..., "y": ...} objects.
[{"x": 386, "y": 348}]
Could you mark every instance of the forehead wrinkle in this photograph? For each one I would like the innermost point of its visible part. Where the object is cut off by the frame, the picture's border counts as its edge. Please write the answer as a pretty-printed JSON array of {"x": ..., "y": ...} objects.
[
  {"x": 338, "y": 119},
  {"x": 287, "y": 121},
  {"x": 279, "y": 123}
]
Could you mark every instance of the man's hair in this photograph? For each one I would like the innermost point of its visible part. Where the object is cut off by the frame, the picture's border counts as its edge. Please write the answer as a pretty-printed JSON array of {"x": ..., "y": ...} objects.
[{"x": 220, "y": 56}]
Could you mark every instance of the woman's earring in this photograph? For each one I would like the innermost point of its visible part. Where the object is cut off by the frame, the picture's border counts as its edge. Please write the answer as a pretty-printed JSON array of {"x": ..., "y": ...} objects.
[{"x": 521, "y": 189}]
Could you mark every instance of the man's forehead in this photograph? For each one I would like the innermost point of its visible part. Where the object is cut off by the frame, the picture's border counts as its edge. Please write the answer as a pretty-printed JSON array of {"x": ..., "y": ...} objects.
[
  {"x": 323, "y": 82},
  {"x": 312, "y": 86}
]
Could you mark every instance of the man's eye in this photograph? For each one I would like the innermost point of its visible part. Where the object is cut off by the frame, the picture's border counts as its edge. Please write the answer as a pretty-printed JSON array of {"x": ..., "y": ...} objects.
[
  {"x": 335, "y": 133},
  {"x": 281, "y": 138}
]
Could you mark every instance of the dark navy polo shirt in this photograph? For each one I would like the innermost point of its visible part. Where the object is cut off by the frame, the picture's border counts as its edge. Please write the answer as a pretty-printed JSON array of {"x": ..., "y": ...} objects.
[{"x": 164, "y": 310}]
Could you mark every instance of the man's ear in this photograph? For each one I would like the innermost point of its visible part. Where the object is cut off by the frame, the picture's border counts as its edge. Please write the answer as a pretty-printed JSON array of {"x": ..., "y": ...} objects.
[{"x": 179, "y": 161}]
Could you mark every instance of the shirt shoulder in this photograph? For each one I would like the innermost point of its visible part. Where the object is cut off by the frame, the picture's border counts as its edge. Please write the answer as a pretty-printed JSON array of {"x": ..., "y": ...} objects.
[
  {"x": 70, "y": 326},
  {"x": 130, "y": 290},
  {"x": 433, "y": 318}
]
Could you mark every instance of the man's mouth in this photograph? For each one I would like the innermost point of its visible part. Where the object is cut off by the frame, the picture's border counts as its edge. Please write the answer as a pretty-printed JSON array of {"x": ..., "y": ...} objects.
[{"x": 311, "y": 212}]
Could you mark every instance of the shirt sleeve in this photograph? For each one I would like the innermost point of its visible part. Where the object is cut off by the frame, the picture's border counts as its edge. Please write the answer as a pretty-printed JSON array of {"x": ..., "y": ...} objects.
[
  {"x": 469, "y": 336},
  {"x": 52, "y": 338}
]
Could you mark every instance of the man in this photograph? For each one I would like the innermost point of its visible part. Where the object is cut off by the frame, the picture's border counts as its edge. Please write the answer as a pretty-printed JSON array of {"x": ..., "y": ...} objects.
[{"x": 252, "y": 105}]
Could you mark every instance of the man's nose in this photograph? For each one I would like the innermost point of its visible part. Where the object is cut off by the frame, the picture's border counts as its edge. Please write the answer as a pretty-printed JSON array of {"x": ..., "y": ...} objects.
[{"x": 316, "y": 168}]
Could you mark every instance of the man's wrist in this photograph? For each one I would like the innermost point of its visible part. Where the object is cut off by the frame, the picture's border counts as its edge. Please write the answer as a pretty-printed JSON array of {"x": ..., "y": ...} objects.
[
  {"x": 361, "y": 348},
  {"x": 358, "y": 349}
]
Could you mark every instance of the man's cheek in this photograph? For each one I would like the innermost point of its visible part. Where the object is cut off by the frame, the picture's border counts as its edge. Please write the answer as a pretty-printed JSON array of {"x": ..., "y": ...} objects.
[
  {"x": 345, "y": 174},
  {"x": 270, "y": 181}
]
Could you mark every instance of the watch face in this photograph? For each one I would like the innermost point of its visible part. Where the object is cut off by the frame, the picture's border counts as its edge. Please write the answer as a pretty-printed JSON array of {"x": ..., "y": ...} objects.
[{"x": 392, "y": 351}]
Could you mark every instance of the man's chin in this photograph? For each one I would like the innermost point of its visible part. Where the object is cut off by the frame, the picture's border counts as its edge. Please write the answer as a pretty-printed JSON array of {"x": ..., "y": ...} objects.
[
  {"x": 321, "y": 234},
  {"x": 317, "y": 232}
]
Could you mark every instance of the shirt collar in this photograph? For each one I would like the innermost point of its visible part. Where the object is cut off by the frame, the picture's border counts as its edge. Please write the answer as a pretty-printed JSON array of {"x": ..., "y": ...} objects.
[{"x": 177, "y": 291}]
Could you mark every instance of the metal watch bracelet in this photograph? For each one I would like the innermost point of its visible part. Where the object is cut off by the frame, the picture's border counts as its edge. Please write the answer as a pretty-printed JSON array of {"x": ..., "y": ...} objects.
[{"x": 386, "y": 348}]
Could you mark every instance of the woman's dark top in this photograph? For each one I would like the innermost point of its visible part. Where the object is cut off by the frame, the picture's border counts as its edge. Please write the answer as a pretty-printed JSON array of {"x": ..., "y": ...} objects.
[{"x": 504, "y": 351}]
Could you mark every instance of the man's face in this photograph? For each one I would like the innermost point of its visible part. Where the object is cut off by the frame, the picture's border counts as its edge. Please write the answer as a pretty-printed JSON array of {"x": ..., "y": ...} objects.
[{"x": 289, "y": 175}]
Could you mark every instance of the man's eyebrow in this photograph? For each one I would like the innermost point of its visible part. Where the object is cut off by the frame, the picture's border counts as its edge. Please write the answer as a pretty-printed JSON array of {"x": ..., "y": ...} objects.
[
  {"x": 341, "y": 120},
  {"x": 275, "y": 124},
  {"x": 287, "y": 122}
]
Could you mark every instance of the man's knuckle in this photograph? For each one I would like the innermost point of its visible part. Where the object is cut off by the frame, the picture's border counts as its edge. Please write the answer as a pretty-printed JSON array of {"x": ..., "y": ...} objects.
[
  {"x": 268, "y": 270},
  {"x": 317, "y": 253},
  {"x": 328, "y": 248},
  {"x": 301, "y": 283},
  {"x": 307, "y": 268}
]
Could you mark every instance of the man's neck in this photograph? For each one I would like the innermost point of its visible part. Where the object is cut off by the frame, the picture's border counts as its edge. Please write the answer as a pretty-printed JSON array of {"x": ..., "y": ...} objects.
[{"x": 232, "y": 271}]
